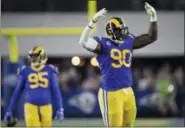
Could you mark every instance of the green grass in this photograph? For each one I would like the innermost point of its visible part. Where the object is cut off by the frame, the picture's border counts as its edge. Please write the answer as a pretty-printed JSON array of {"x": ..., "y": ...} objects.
[{"x": 97, "y": 122}]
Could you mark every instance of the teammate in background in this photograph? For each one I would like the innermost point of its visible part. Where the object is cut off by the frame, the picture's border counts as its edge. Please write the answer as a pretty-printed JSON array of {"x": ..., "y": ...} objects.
[
  {"x": 114, "y": 54},
  {"x": 39, "y": 80}
]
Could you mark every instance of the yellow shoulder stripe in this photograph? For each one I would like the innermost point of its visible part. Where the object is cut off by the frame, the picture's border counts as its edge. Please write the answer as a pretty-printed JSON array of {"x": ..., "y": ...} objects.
[
  {"x": 54, "y": 67},
  {"x": 131, "y": 36},
  {"x": 20, "y": 69},
  {"x": 23, "y": 67},
  {"x": 114, "y": 21},
  {"x": 51, "y": 65}
]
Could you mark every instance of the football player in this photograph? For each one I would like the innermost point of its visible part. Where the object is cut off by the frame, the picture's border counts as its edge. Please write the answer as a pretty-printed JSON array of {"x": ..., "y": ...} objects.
[
  {"x": 39, "y": 80},
  {"x": 114, "y": 55}
]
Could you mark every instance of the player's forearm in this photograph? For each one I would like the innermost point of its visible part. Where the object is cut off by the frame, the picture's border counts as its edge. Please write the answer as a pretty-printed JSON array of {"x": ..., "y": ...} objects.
[
  {"x": 86, "y": 34},
  {"x": 89, "y": 43},
  {"x": 145, "y": 39},
  {"x": 85, "y": 40},
  {"x": 13, "y": 101},
  {"x": 151, "y": 36},
  {"x": 58, "y": 98},
  {"x": 17, "y": 93},
  {"x": 56, "y": 91},
  {"x": 153, "y": 31}
]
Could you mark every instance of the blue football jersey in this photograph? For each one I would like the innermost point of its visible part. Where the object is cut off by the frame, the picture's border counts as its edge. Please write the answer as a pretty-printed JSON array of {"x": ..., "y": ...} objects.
[
  {"x": 37, "y": 84},
  {"x": 115, "y": 63}
]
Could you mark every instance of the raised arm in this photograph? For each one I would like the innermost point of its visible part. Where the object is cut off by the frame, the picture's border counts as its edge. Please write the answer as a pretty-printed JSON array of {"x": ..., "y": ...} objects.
[
  {"x": 85, "y": 40},
  {"x": 151, "y": 36}
]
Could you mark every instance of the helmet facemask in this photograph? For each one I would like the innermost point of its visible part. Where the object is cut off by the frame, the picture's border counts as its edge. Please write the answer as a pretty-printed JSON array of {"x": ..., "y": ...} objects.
[
  {"x": 37, "y": 59},
  {"x": 120, "y": 33}
]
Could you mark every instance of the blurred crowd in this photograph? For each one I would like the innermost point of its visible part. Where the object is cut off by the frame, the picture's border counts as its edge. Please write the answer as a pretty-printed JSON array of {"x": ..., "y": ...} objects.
[
  {"x": 159, "y": 91},
  {"x": 167, "y": 89}
]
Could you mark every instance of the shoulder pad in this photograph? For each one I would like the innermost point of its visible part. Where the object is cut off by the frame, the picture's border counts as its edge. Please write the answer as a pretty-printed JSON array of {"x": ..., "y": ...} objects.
[
  {"x": 20, "y": 70},
  {"x": 54, "y": 68}
]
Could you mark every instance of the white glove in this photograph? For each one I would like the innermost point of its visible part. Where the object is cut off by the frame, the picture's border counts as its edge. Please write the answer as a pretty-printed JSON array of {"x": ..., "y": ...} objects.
[
  {"x": 100, "y": 14},
  {"x": 151, "y": 12}
]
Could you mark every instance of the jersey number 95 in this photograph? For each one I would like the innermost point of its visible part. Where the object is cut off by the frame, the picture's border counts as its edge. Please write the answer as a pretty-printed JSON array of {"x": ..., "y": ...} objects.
[{"x": 38, "y": 80}]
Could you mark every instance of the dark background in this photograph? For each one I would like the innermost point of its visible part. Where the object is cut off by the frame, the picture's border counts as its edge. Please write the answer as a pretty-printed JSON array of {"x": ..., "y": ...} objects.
[{"x": 81, "y": 5}]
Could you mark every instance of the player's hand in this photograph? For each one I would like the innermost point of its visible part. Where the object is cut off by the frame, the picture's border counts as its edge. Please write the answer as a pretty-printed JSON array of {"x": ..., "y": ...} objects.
[
  {"x": 151, "y": 12},
  {"x": 7, "y": 115},
  {"x": 60, "y": 114},
  {"x": 9, "y": 120},
  {"x": 100, "y": 14}
]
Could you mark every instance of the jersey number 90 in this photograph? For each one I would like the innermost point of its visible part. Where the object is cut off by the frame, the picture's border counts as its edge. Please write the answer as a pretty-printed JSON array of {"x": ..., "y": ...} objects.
[
  {"x": 121, "y": 57},
  {"x": 38, "y": 80}
]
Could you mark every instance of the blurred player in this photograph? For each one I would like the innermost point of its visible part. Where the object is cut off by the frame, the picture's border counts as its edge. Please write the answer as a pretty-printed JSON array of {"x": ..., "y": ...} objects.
[
  {"x": 39, "y": 80},
  {"x": 114, "y": 54}
]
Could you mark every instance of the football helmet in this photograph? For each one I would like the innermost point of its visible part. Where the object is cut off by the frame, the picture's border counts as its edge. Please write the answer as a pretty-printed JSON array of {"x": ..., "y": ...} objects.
[
  {"x": 37, "y": 56},
  {"x": 116, "y": 29}
]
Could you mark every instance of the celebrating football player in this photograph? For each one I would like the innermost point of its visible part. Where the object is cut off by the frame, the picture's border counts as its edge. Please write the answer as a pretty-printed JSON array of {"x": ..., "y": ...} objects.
[{"x": 114, "y": 55}]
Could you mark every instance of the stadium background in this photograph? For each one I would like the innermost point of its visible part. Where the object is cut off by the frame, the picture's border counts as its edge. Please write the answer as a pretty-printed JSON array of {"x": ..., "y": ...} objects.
[{"x": 157, "y": 69}]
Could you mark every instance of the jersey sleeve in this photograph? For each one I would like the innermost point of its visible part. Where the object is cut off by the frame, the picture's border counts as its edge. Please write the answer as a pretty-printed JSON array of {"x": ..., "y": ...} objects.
[
  {"x": 132, "y": 36},
  {"x": 18, "y": 90},
  {"x": 55, "y": 87},
  {"x": 100, "y": 41}
]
